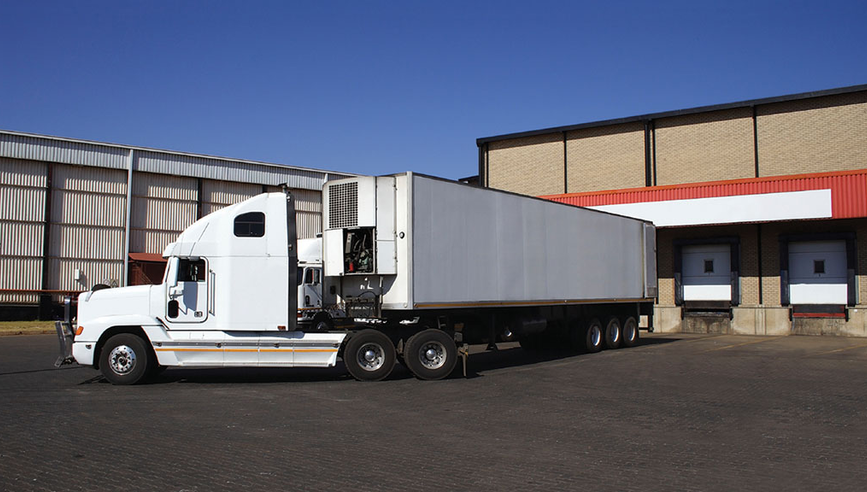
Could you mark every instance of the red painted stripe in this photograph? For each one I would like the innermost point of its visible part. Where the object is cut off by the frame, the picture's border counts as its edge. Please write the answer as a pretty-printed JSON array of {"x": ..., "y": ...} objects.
[
  {"x": 818, "y": 315},
  {"x": 848, "y": 191}
]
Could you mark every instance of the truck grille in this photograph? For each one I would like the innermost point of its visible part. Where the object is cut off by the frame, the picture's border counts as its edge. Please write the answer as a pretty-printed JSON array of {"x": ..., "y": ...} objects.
[{"x": 343, "y": 205}]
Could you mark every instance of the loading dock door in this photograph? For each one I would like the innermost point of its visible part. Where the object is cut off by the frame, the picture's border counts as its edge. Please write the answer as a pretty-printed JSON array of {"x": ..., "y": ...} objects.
[
  {"x": 707, "y": 270},
  {"x": 817, "y": 272}
]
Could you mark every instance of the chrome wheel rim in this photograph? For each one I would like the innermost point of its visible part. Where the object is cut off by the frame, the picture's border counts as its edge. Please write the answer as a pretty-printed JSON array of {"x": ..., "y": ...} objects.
[
  {"x": 121, "y": 359},
  {"x": 432, "y": 355},
  {"x": 614, "y": 333},
  {"x": 370, "y": 356},
  {"x": 629, "y": 331},
  {"x": 595, "y": 335}
]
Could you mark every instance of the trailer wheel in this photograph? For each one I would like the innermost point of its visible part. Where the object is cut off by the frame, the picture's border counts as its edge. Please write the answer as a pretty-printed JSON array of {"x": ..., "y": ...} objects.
[
  {"x": 593, "y": 336},
  {"x": 431, "y": 354},
  {"x": 630, "y": 332},
  {"x": 613, "y": 334},
  {"x": 369, "y": 356},
  {"x": 124, "y": 359}
]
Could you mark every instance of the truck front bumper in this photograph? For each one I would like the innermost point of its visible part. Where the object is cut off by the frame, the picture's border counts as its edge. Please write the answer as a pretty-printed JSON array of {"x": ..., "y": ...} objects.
[{"x": 66, "y": 338}]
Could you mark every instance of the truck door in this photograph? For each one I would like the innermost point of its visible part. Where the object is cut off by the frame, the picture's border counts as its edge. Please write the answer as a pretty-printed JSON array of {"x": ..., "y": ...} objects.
[
  {"x": 311, "y": 287},
  {"x": 188, "y": 295}
]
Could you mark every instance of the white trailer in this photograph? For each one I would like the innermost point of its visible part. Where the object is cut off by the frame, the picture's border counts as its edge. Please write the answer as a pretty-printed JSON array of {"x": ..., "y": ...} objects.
[{"x": 423, "y": 266}]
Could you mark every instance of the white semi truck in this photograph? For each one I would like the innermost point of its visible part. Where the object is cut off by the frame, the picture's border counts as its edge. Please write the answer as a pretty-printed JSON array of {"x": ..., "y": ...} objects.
[{"x": 420, "y": 265}]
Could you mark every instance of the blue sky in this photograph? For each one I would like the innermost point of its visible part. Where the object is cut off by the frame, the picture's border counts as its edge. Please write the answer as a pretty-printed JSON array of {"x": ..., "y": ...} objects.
[{"x": 378, "y": 87}]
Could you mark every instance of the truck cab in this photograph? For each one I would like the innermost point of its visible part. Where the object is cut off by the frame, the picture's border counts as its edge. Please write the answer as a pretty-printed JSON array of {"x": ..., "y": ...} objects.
[{"x": 228, "y": 297}]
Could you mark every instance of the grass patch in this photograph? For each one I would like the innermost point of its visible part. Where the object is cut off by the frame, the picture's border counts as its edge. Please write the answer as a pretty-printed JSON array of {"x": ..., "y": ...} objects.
[{"x": 26, "y": 327}]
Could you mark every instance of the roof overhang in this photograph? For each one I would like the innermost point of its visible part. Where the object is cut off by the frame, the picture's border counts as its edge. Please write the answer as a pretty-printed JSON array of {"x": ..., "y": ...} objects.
[{"x": 836, "y": 195}]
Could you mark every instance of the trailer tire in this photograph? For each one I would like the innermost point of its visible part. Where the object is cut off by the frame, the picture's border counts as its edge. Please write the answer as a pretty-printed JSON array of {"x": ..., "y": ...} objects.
[
  {"x": 431, "y": 354},
  {"x": 613, "y": 334},
  {"x": 593, "y": 336},
  {"x": 369, "y": 356},
  {"x": 629, "y": 332},
  {"x": 124, "y": 359}
]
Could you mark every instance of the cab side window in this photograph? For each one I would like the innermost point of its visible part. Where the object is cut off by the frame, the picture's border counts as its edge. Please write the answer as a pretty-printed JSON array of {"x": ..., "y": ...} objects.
[
  {"x": 251, "y": 224},
  {"x": 191, "y": 271}
]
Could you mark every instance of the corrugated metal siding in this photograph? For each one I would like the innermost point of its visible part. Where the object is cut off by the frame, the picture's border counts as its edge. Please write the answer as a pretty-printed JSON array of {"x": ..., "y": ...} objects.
[
  {"x": 227, "y": 170},
  {"x": 308, "y": 224},
  {"x": 96, "y": 154},
  {"x": 21, "y": 239},
  {"x": 20, "y": 273},
  {"x": 88, "y": 219},
  {"x": 92, "y": 272},
  {"x": 81, "y": 178},
  {"x": 22, "y": 204},
  {"x": 22, "y": 173},
  {"x": 155, "y": 242},
  {"x": 226, "y": 193},
  {"x": 72, "y": 207},
  {"x": 62, "y": 151},
  {"x": 84, "y": 242},
  {"x": 22, "y": 213},
  {"x": 162, "y": 207},
  {"x": 164, "y": 186},
  {"x": 848, "y": 191},
  {"x": 162, "y": 215},
  {"x": 307, "y": 200},
  {"x": 88, "y": 202}
]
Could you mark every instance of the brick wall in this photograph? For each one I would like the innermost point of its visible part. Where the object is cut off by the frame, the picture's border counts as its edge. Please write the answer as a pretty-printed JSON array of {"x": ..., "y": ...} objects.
[
  {"x": 705, "y": 147},
  {"x": 605, "y": 158},
  {"x": 813, "y": 135},
  {"x": 530, "y": 166}
]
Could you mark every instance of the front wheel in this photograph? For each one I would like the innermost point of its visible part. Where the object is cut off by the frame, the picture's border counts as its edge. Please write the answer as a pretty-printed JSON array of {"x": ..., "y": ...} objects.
[
  {"x": 431, "y": 354},
  {"x": 369, "y": 356},
  {"x": 124, "y": 359}
]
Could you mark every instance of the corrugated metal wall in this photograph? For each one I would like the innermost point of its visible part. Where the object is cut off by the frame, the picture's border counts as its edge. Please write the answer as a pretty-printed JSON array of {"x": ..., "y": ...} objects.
[
  {"x": 162, "y": 207},
  {"x": 308, "y": 212},
  {"x": 88, "y": 215},
  {"x": 88, "y": 206},
  {"x": 218, "y": 194},
  {"x": 22, "y": 214}
]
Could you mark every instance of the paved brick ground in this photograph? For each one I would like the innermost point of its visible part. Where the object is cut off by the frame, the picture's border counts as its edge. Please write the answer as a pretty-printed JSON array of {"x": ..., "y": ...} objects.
[{"x": 678, "y": 412}]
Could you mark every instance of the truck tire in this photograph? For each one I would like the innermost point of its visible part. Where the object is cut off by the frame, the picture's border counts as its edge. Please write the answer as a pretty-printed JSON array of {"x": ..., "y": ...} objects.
[
  {"x": 124, "y": 359},
  {"x": 613, "y": 334},
  {"x": 369, "y": 356},
  {"x": 629, "y": 332},
  {"x": 322, "y": 324},
  {"x": 593, "y": 336},
  {"x": 431, "y": 354}
]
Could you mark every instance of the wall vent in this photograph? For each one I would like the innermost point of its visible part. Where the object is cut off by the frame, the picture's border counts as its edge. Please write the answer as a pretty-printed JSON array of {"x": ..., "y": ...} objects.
[{"x": 343, "y": 205}]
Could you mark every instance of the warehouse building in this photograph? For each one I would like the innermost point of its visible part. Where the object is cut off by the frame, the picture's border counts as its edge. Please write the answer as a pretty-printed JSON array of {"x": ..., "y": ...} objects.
[
  {"x": 761, "y": 205},
  {"x": 76, "y": 213}
]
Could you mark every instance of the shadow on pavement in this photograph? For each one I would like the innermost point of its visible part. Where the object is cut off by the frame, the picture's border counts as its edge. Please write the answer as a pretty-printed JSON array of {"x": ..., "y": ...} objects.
[{"x": 478, "y": 364}]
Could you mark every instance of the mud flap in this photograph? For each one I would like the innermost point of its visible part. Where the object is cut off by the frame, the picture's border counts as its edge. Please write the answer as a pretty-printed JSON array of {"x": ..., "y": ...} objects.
[{"x": 65, "y": 336}]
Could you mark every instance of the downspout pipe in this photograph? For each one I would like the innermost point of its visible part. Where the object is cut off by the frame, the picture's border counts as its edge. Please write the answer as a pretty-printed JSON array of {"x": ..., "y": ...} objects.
[{"x": 123, "y": 281}]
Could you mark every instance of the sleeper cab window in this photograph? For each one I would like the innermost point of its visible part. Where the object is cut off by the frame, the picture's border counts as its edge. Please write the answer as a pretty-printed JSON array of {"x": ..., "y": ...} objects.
[{"x": 250, "y": 224}]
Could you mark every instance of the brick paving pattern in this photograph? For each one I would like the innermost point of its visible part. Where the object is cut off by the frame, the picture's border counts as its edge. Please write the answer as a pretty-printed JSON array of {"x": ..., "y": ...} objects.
[{"x": 678, "y": 412}]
